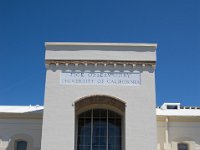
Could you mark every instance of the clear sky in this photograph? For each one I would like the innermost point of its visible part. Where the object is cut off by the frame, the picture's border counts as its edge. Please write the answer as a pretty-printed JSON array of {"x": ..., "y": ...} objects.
[{"x": 26, "y": 24}]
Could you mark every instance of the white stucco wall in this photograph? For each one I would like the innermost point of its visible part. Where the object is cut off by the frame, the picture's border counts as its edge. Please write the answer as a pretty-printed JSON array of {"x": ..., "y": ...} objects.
[
  {"x": 30, "y": 130},
  {"x": 183, "y": 131},
  {"x": 59, "y": 114},
  {"x": 160, "y": 135},
  {"x": 100, "y": 51},
  {"x": 12, "y": 129}
]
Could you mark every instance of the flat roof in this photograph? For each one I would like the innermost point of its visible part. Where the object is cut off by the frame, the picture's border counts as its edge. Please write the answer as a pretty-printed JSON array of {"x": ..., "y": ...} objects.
[
  {"x": 177, "y": 112},
  {"x": 20, "y": 109},
  {"x": 159, "y": 111}
]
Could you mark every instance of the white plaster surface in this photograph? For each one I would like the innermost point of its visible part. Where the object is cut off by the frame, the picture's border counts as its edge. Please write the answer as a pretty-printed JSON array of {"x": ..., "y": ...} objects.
[
  {"x": 179, "y": 132},
  {"x": 92, "y": 51},
  {"x": 59, "y": 114},
  {"x": 28, "y": 129},
  {"x": 178, "y": 112},
  {"x": 20, "y": 109}
]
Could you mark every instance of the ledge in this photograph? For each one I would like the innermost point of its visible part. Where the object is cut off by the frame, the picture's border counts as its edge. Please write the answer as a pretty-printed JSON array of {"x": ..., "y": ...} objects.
[
  {"x": 99, "y": 44},
  {"x": 99, "y": 62}
]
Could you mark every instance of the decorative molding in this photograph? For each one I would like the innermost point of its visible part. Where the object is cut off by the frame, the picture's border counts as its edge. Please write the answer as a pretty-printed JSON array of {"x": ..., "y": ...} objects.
[
  {"x": 101, "y": 62},
  {"x": 99, "y": 99},
  {"x": 100, "y": 44}
]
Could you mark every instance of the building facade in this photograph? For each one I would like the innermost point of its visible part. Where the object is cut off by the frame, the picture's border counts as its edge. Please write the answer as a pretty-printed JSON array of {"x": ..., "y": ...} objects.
[{"x": 100, "y": 96}]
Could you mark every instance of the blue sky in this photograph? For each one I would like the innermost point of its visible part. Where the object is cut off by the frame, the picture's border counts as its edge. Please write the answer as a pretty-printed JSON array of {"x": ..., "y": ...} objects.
[{"x": 173, "y": 24}]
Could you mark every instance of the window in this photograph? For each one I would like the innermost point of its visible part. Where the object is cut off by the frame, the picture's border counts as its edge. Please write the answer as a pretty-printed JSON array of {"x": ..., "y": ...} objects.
[
  {"x": 172, "y": 107},
  {"x": 20, "y": 145},
  {"x": 182, "y": 146},
  {"x": 99, "y": 129}
]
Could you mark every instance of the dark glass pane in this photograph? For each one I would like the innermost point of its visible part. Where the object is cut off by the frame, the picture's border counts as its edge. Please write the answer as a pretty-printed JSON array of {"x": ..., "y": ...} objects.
[
  {"x": 172, "y": 107},
  {"x": 21, "y": 145},
  {"x": 118, "y": 122},
  {"x": 80, "y": 122},
  {"x": 114, "y": 147},
  {"x": 80, "y": 131},
  {"x": 102, "y": 141},
  {"x": 103, "y": 113},
  {"x": 118, "y": 141},
  {"x": 117, "y": 116},
  {"x": 95, "y": 147},
  {"x": 96, "y": 113},
  {"x": 87, "y": 147},
  {"x": 111, "y": 147},
  {"x": 81, "y": 116},
  {"x": 87, "y": 122},
  {"x": 86, "y": 114},
  {"x": 96, "y": 122},
  {"x": 84, "y": 131},
  {"x": 111, "y": 130},
  {"x": 80, "y": 140},
  {"x": 114, "y": 127},
  {"x": 182, "y": 146},
  {"x": 103, "y": 131},
  {"x": 114, "y": 141},
  {"x": 118, "y": 148},
  {"x": 96, "y": 131},
  {"x": 111, "y": 141},
  {"x": 114, "y": 132},
  {"x": 95, "y": 140},
  {"x": 87, "y": 140},
  {"x": 87, "y": 131},
  {"x": 102, "y": 147},
  {"x": 111, "y": 121},
  {"x": 117, "y": 131},
  {"x": 113, "y": 115},
  {"x": 80, "y": 148},
  {"x": 102, "y": 121}
]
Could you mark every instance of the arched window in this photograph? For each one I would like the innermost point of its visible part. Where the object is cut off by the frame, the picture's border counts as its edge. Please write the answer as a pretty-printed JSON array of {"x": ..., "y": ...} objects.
[
  {"x": 99, "y": 129},
  {"x": 20, "y": 145},
  {"x": 182, "y": 146}
]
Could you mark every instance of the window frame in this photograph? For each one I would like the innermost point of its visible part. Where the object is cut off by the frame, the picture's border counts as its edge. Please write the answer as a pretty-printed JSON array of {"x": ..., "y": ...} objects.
[
  {"x": 20, "y": 140},
  {"x": 109, "y": 102},
  {"x": 112, "y": 109}
]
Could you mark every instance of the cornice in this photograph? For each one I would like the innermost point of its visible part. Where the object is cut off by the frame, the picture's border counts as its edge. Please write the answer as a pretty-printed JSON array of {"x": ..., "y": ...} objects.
[
  {"x": 100, "y": 44},
  {"x": 100, "y": 62}
]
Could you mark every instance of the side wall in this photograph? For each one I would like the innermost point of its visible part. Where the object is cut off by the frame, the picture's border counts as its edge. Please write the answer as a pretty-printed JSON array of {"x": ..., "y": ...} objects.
[
  {"x": 179, "y": 132},
  {"x": 20, "y": 129}
]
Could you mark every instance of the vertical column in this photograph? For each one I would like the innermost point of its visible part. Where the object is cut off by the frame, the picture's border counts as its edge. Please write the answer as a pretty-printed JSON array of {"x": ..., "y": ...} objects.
[
  {"x": 166, "y": 131},
  {"x": 167, "y": 145}
]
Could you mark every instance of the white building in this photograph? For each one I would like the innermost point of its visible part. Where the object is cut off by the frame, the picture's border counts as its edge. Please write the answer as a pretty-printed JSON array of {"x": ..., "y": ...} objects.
[{"x": 100, "y": 96}]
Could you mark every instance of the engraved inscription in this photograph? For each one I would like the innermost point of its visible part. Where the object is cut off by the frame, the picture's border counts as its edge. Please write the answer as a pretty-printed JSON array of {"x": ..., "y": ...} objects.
[{"x": 100, "y": 78}]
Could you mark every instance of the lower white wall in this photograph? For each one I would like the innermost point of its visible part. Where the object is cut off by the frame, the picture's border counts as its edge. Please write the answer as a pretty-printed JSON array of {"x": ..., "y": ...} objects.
[
  {"x": 31, "y": 129},
  {"x": 187, "y": 132},
  {"x": 26, "y": 129},
  {"x": 160, "y": 135}
]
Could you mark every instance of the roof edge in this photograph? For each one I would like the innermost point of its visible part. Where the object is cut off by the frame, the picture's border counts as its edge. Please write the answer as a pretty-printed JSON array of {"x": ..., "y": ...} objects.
[{"x": 99, "y": 44}]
